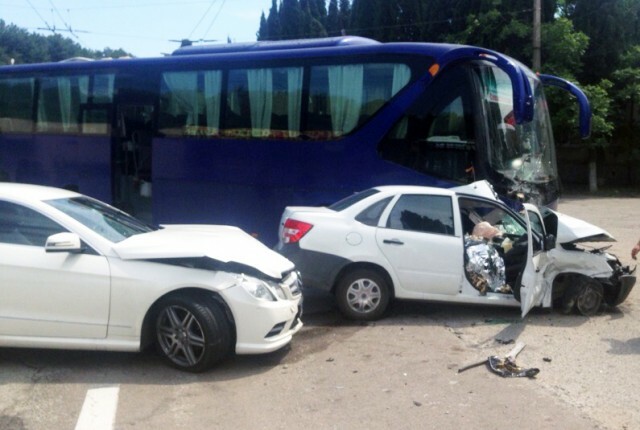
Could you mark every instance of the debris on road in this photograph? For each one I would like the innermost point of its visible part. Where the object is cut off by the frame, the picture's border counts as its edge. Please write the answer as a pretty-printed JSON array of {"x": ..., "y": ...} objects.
[{"x": 505, "y": 367}]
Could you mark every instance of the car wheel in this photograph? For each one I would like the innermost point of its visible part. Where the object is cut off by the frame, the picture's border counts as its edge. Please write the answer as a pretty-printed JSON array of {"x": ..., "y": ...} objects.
[
  {"x": 192, "y": 333},
  {"x": 362, "y": 295},
  {"x": 589, "y": 297}
]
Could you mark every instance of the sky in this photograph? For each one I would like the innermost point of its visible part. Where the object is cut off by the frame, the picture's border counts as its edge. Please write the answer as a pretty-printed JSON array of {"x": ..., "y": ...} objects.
[{"x": 143, "y": 28}]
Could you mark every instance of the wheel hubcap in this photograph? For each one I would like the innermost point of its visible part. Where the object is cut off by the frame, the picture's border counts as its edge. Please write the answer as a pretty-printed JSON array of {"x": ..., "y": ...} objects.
[
  {"x": 363, "y": 295},
  {"x": 588, "y": 299},
  {"x": 180, "y": 336}
]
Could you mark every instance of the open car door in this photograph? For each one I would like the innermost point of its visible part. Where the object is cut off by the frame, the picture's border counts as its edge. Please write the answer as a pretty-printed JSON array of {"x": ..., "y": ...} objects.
[{"x": 531, "y": 283}]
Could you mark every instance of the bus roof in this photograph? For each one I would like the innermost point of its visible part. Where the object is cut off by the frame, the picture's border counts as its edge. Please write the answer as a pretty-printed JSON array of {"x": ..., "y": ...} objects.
[
  {"x": 252, "y": 51},
  {"x": 276, "y": 45}
]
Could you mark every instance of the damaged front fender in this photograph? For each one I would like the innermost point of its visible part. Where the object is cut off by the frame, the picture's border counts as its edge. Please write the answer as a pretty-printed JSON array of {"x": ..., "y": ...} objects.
[
  {"x": 620, "y": 283},
  {"x": 569, "y": 265},
  {"x": 619, "y": 291}
]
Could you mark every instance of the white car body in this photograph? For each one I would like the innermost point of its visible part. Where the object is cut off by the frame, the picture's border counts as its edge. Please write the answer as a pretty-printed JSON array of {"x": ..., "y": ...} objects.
[
  {"x": 84, "y": 291},
  {"x": 328, "y": 245}
]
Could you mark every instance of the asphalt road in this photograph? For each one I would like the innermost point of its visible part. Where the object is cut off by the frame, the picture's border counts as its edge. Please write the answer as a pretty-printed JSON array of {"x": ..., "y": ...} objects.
[{"x": 399, "y": 372}]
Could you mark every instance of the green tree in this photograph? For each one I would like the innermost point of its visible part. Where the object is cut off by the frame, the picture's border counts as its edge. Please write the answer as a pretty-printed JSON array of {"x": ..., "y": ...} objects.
[
  {"x": 611, "y": 28},
  {"x": 364, "y": 17},
  {"x": 562, "y": 48},
  {"x": 345, "y": 14},
  {"x": 23, "y": 47},
  {"x": 273, "y": 23},
  {"x": 626, "y": 94},
  {"x": 263, "y": 30},
  {"x": 409, "y": 20},
  {"x": 333, "y": 24},
  {"x": 601, "y": 125},
  {"x": 291, "y": 20},
  {"x": 310, "y": 25},
  {"x": 498, "y": 29}
]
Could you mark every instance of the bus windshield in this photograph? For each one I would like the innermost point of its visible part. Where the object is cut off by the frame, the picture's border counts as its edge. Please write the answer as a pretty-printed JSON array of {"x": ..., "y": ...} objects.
[{"x": 520, "y": 152}]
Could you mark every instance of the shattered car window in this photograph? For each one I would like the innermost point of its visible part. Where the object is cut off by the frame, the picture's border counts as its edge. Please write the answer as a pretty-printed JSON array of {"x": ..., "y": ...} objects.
[
  {"x": 476, "y": 211},
  {"x": 536, "y": 223}
]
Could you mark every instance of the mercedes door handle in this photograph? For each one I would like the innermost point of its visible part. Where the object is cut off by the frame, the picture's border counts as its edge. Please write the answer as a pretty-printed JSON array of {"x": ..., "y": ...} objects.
[{"x": 393, "y": 242}]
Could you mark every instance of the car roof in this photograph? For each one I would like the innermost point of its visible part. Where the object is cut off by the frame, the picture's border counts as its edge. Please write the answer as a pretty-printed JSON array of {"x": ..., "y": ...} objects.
[
  {"x": 394, "y": 189},
  {"x": 29, "y": 192}
]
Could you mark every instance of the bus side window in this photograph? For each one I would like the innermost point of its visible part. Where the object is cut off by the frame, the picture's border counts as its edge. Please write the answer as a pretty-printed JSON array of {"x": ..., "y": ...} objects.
[
  {"x": 59, "y": 102},
  {"x": 264, "y": 103},
  {"x": 16, "y": 105},
  {"x": 95, "y": 114},
  {"x": 437, "y": 135},
  {"x": 190, "y": 103},
  {"x": 344, "y": 96}
]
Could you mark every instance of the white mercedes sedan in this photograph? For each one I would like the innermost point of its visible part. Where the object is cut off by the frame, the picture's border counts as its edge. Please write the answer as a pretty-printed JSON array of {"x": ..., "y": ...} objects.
[{"x": 76, "y": 273}]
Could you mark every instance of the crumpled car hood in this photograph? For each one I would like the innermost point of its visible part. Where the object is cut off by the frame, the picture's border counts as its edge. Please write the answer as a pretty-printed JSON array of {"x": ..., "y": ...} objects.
[
  {"x": 219, "y": 242},
  {"x": 574, "y": 230}
]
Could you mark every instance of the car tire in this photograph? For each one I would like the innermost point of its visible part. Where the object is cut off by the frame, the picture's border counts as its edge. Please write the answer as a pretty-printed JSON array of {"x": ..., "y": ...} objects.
[
  {"x": 362, "y": 295},
  {"x": 588, "y": 300},
  {"x": 192, "y": 332}
]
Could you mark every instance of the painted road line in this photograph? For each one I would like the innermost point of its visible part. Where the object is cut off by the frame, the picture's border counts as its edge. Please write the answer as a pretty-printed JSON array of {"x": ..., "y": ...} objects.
[{"x": 99, "y": 409}]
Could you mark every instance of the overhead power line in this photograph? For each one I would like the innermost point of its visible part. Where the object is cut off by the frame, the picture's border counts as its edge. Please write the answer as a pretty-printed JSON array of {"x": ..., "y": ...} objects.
[
  {"x": 202, "y": 18},
  {"x": 214, "y": 19},
  {"x": 40, "y": 16}
]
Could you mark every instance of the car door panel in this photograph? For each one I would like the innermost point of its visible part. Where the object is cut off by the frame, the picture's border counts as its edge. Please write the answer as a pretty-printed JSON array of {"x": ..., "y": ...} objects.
[
  {"x": 42, "y": 294},
  {"x": 424, "y": 263},
  {"x": 532, "y": 289},
  {"x": 417, "y": 238}
]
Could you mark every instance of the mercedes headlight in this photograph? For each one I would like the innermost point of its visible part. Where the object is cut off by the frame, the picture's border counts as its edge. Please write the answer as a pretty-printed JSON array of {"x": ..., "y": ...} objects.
[{"x": 258, "y": 289}]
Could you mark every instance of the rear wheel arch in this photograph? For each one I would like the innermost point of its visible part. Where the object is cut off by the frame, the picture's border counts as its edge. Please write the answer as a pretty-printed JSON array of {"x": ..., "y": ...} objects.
[{"x": 364, "y": 265}]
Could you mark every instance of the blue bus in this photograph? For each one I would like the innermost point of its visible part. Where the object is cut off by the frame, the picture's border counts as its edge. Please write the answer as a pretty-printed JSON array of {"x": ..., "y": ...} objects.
[{"x": 231, "y": 134}]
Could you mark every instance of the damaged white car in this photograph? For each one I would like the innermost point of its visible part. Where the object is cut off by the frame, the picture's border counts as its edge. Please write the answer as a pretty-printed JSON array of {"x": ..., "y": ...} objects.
[
  {"x": 76, "y": 273},
  {"x": 458, "y": 245}
]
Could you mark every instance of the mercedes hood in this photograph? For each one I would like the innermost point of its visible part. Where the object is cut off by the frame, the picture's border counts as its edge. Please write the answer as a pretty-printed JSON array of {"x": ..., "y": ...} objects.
[{"x": 222, "y": 243}]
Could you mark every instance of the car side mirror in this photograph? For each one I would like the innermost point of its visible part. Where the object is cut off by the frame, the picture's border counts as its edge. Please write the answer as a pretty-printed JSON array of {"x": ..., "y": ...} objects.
[
  {"x": 64, "y": 242},
  {"x": 549, "y": 242}
]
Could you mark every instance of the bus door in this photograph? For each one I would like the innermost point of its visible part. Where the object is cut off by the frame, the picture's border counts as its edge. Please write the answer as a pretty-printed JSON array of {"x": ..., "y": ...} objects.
[{"x": 131, "y": 140}]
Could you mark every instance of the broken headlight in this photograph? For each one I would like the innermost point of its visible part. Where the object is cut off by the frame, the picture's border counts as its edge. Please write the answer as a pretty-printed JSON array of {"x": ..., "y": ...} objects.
[{"x": 262, "y": 290}]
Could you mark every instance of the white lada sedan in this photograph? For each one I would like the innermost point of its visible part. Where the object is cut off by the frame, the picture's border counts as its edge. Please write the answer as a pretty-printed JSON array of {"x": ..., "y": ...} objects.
[
  {"x": 76, "y": 273},
  {"x": 458, "y": 245}
]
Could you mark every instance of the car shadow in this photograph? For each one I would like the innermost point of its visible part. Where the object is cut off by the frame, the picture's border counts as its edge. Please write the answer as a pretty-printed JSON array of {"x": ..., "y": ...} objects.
[
  {"x": 619, "y": 347},
  {"x": 320, "y": 310},
  {"x": 323, "y": 325},
  {"x": 459, "y": 318}
]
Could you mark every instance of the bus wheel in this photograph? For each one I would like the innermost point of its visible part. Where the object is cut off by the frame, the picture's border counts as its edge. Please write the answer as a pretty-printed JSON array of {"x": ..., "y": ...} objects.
[
  {"x": 192, "y": 333},
  {"x": 362, "y": 295}
]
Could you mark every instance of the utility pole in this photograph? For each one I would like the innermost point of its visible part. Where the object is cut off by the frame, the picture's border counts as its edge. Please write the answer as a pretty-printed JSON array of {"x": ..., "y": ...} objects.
[{"x": 536, "y": 34}]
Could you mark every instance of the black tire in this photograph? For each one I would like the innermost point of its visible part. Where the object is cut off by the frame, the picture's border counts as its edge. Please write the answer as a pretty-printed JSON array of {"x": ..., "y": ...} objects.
[
  {"x": 363, "y": 295},
  {"x": 589, "y": 297},
  {"x": 192, "y": 332}
]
